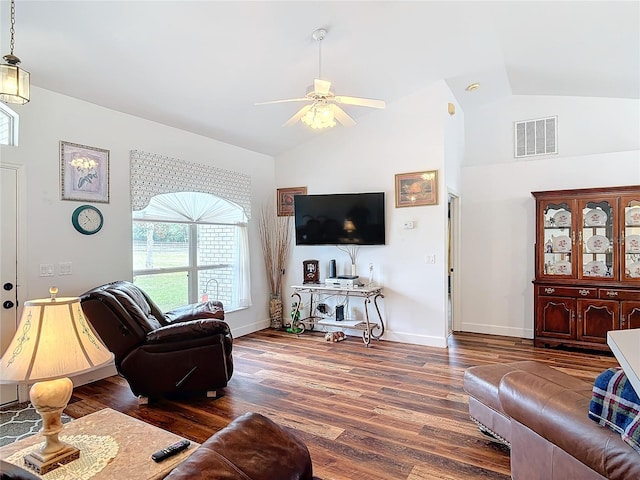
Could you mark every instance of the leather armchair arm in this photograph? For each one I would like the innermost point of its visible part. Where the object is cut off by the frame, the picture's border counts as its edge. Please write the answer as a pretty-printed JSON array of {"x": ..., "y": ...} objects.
[
  {"x": 187, "y": 330},
  {"x": 196, "y": 311}
]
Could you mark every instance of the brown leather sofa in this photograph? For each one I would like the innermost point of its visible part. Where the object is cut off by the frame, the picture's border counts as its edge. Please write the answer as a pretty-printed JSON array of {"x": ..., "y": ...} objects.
[
  {"x": 542, "y": 414},
  {"x": 185, "y": 350},
  {"x": 252, "y": 447}
]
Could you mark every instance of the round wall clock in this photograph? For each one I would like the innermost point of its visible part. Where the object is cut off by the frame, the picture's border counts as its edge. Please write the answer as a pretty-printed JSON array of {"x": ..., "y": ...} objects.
[{"x": 87, "y": 219}]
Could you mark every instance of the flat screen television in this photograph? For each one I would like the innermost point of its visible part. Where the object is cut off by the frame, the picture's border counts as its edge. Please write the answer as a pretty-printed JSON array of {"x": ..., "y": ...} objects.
[{"x": 339, "y": 219}]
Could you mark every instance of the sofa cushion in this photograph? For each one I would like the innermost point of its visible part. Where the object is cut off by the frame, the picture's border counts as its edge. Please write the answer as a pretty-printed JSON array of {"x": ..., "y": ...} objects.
[{"x": 482, "y": 381}]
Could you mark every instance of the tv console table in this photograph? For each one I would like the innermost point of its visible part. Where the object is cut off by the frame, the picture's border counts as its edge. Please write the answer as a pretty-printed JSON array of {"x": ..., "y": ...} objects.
[{"x": 369, "y": 329}]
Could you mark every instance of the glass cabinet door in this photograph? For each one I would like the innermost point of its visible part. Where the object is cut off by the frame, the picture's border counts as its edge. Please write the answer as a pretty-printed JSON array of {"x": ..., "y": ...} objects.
[
  {"x": 630, "y": 220},
  {"x": 557, "y": 239},
  {"x": 597, "y": 240}
]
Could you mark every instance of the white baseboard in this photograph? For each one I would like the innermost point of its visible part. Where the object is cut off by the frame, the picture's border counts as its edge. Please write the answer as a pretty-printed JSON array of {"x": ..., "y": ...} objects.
[
  {"x": 497, "y": 330},
  {"x": 95, "y": 375},
  {"x": 415, "y": 339},
  {"x": 253, "y": 327}
]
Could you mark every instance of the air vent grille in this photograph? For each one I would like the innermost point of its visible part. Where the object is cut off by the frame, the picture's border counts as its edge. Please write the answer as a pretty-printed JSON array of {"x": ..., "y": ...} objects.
[{"x": 536, "y": 137}]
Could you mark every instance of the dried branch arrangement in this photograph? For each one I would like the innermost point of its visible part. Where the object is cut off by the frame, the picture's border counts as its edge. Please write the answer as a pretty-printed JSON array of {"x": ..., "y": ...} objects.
[
  {"x": 275, "y": 234},
  {"x": 351, "y": 250}
]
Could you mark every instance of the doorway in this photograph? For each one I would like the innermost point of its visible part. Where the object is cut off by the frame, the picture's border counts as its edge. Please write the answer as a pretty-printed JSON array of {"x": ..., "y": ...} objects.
[{"x": 453, "y": 247}]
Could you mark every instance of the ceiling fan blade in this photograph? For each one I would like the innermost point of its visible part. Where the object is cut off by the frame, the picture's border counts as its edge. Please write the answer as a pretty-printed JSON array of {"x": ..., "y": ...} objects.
[
  {"x": 283, "y": 101},
  {"x": 361, "y": 102},
  {"x": 342, "y": 116},
  {"x": 321, "y": 86},
  {"x": 299, "y": 114}
]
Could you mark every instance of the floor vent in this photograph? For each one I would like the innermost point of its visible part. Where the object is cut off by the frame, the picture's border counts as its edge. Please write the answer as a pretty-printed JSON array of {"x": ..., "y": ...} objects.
[{"x": 536, "y": 137}]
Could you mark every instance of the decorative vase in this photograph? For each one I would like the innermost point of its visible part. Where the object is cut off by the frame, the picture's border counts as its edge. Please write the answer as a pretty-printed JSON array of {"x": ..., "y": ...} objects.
[
  {"x": 353, "y": 269},
  {"x": 275, "y": 311}
]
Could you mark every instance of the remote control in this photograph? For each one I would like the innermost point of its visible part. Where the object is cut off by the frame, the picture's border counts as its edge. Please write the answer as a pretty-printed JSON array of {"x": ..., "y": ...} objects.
[{"x": 170, "y": 450}]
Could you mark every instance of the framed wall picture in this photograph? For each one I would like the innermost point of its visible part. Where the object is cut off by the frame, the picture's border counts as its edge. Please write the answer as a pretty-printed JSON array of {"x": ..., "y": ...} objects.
[
  {"x": 311, "y": 271},
  {"x": 417, "y": 188},
  {"x": 84, "y": 173},
  {"x": 285, "y": 199}
]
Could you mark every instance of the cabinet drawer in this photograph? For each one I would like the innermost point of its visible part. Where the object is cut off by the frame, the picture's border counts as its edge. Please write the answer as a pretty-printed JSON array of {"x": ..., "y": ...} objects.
[
  {"x": 576, "y": 292},
  {"x": 618, "y": 294}
]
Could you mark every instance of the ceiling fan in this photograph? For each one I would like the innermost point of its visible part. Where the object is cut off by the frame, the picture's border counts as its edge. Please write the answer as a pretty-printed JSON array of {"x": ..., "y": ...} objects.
[{"x": 323, "y": 111}]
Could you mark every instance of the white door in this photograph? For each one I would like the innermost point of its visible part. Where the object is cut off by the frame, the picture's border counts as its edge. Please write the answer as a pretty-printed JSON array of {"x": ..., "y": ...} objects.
[{"x": 8, "y": 267}]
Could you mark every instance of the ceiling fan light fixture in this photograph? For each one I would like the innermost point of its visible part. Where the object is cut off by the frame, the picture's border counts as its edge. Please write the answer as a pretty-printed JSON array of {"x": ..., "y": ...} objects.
[
  {"x": 14, "y": 81},
  {"x": 320, "y": 115},
  {"x": 323, "y": 111}
]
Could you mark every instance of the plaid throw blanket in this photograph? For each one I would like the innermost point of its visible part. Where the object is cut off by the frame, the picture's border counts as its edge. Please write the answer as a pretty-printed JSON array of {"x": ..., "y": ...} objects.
[{"x": 615, "y": 404}]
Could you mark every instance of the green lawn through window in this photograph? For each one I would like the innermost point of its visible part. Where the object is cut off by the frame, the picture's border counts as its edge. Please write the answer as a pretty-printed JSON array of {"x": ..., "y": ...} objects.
[{"x": 167, "y": 290}]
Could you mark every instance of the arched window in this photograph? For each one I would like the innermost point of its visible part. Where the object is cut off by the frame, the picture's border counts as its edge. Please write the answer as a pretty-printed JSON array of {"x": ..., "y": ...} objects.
[
  {"x": 8, "y": 126},
  {"x": 190, "y": 246}
]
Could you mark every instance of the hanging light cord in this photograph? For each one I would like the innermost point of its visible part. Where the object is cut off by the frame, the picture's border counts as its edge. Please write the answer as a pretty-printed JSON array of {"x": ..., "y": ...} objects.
[
  {"x": 13, "y": 25},
  {"x": 320, "y": 58}
]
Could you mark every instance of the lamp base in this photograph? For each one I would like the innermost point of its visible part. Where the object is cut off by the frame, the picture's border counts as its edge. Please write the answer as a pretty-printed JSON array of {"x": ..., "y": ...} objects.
[
  {"x": 49, "y": 399},
  {"x": 45, "y": 463}
]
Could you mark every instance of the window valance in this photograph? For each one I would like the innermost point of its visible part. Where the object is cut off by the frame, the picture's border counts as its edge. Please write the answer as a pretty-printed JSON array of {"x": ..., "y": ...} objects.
[{"x": 153, "y": 174}]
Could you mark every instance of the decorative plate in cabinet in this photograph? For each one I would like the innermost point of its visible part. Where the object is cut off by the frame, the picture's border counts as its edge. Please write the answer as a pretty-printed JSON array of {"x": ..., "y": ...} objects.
[
  {"x": 632, "y": 217},
  {"x": 595, "y": 218},
  {"x": 563, "y": 267},
  {"x": 634, "y": 270},
  {"x": 632, "y": 243},
  {"x": 595, "y": 269},
  {"x": 598, "y": 244},
  {"x": 561, "y": 244},
  {"x": 562, "y": 218}
]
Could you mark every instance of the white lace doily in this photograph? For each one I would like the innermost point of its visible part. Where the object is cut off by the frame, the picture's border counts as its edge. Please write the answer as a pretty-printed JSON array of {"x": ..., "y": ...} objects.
[{"x": 95, "y": 453}]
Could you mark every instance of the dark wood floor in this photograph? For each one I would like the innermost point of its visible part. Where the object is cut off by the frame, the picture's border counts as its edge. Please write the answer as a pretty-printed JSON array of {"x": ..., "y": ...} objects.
[{"x": 392, "y": 411}]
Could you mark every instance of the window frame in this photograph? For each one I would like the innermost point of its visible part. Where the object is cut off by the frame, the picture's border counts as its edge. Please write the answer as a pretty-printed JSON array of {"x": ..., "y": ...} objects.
[
  {"x": 13, "y": 126},
  {"x": 192, "y": 269}
]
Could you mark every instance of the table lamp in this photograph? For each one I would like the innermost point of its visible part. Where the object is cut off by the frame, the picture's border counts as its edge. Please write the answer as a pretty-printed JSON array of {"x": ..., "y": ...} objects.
[{"x": 52, "y": 341}]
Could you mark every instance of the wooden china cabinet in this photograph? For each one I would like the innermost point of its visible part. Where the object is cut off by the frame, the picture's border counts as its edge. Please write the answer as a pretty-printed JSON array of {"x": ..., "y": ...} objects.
[{"x": 587, "y": 256}]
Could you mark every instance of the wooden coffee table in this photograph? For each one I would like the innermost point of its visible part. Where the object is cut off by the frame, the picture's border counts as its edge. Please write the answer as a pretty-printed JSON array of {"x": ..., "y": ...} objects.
[{"x": 136, "y": 441}]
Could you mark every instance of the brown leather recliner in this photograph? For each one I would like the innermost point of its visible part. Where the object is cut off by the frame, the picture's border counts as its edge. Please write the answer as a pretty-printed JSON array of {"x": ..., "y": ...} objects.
[{"x": 185, "y": 350}]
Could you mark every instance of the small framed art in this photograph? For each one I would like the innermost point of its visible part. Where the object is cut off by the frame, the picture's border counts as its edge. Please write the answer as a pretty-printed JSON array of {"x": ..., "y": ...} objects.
[
  {"x": 417, "y": 188},
  {"x": 285, "y": 199},
  {"x": 84, "y": 173}
]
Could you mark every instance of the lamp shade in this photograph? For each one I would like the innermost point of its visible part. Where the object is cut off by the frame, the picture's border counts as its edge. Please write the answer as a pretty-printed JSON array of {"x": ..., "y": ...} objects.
[
  {"x": 14, "y": 82},
  {"x": 53, "y": 340}
]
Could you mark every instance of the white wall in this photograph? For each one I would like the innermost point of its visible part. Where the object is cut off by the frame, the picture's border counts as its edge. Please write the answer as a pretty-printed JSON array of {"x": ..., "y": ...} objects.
[
  {"x": 408, "y": 136},
  {"x": 49, "y": 237},
  {"x": 586, "y": 126},
  {"x": 413, "y": 134},
  {"x": 598, "y": 146}
]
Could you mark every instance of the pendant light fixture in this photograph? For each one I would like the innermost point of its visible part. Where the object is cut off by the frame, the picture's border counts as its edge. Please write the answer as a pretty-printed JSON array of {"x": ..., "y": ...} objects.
[{"x": 14, "y": 81}]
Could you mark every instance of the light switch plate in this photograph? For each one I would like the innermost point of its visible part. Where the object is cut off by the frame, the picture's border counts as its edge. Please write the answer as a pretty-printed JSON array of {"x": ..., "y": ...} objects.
[
  {"x": 46, "y": 269},
  {"x": 64, "y": 268}
]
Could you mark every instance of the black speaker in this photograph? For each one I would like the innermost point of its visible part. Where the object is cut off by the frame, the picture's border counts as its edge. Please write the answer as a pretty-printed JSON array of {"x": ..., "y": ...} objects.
[
  {"x": 332, "y": 269},
  {"x": 339, "y": 313}
]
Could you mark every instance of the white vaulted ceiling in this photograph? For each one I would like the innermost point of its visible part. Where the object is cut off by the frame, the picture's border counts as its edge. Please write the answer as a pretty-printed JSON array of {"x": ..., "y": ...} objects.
[{"x": 201, "y": 65}]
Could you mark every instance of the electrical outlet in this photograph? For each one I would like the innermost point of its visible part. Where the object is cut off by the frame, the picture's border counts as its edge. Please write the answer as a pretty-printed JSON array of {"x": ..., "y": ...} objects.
[
  {"x": 408, "y": 225},
  {"x": 46, "y": 269},
  {"x": 430, "y": 258}
]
